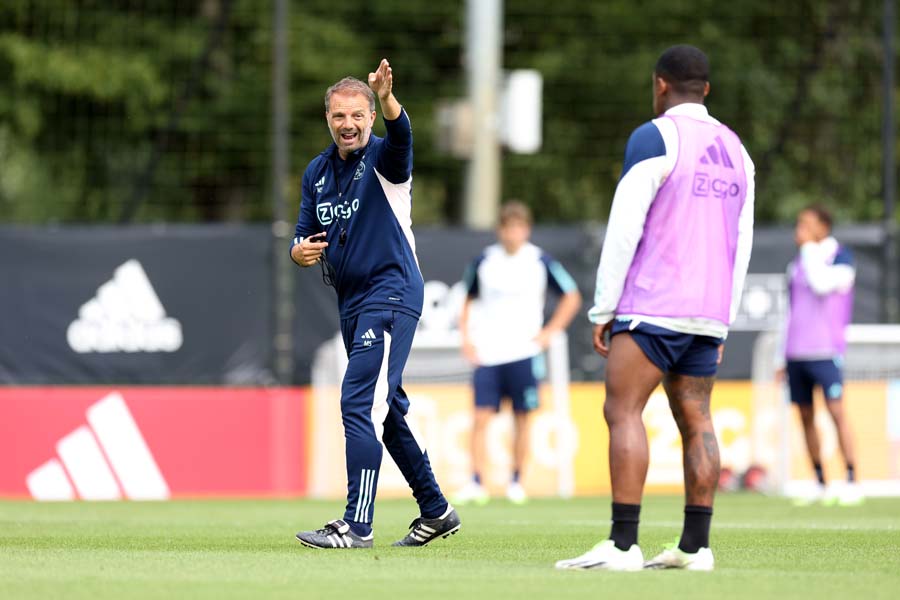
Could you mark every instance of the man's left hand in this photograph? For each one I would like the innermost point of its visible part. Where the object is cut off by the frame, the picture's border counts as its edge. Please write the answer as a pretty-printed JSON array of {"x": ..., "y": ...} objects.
[{"x": 382, "y": 80}]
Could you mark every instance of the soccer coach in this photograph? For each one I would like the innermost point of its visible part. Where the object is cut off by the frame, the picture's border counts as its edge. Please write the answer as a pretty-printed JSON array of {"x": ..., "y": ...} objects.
[{"x": 355, "y": 221}]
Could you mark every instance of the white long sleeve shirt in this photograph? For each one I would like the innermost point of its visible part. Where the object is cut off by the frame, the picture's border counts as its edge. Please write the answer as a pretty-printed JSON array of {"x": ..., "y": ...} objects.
[
  {"x": 823, "y": 273},
  {"x": 649, "y": 159}
]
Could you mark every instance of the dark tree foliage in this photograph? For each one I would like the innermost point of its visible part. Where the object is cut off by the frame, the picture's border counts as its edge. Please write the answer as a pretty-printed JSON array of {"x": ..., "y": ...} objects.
[{"x": 163, "y": 106}]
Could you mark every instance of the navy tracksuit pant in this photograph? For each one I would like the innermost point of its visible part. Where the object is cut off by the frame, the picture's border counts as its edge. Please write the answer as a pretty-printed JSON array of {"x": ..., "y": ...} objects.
[{"x": 374, "y": 407}]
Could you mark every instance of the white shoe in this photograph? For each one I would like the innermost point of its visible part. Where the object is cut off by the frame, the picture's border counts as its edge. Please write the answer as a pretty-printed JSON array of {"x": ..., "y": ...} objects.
[
  {"x": 850, "y": 495},
  {"x": 607, "y": 557},
  {"x": 515, "y": 493},
  {"x": 816, "y": 494},
  {"x": 674, "y": 558},
  {"x": 471, "y": 493},
  {"x": 831, "y": 495}
]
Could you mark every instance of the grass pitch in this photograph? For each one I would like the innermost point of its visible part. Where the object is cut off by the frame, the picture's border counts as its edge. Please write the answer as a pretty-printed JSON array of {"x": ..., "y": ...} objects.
[{"x": 764, "y": 548}]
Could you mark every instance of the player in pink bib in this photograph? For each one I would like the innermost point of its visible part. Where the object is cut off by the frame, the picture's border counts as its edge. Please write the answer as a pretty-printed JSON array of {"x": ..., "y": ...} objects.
[{"x": 671, "y": 272}]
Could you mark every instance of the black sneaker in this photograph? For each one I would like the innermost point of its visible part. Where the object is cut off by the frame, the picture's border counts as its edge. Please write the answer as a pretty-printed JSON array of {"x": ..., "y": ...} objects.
[
  {"x": 423, "y": 531},
  {"x": 335, "y": 534}
]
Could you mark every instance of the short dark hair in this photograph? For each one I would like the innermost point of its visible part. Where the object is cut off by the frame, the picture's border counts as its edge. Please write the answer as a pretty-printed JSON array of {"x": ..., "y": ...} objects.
[
  {"x": 822, "y": 213},
  {"x": 685, "y": 68}
]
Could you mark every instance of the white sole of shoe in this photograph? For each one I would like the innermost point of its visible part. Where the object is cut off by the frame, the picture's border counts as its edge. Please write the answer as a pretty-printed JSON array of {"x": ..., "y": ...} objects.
[
  {"x": 306, "y": 544},
  {"x": 626, "y": 570},
  {"x": 597, "y": 568}
]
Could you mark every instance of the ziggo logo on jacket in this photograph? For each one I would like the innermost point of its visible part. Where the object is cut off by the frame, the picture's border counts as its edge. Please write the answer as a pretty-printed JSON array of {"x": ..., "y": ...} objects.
[{"x": 328, "y": 212}]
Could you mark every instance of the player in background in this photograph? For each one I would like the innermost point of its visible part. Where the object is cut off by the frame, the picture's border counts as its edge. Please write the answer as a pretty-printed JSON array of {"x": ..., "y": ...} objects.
[
  {"x": 509, "y": 280},
  {"x": 669, "y": 283},
  {"x": 355, "y": 222},
  {"x": 820, "y": 290}
]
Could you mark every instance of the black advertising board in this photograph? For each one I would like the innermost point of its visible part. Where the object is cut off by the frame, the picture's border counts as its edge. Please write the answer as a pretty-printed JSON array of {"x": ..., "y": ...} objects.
[{"x": 146, "y": 304}]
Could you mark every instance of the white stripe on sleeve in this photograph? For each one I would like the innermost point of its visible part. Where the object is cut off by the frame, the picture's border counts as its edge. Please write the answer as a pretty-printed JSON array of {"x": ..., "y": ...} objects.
[{"x": 399, "y": 196}]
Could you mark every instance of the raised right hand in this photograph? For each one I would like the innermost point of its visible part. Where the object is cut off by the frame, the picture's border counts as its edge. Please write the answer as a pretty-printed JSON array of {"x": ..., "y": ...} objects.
[{"x": 382, "y": 80}]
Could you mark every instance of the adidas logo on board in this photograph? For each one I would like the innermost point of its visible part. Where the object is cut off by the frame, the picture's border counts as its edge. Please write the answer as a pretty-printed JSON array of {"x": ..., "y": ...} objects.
[
  {"x": 107, "y": 459},
  {"x": 124, "y": 316}
]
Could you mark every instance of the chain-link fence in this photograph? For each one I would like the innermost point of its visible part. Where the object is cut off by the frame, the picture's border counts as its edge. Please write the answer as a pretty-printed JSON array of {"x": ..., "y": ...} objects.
[{"x": 160, "y": 110}]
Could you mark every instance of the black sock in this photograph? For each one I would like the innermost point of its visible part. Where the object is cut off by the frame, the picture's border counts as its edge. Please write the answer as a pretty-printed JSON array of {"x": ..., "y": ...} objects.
[
  {"x": 695, "y": 534},
  {"x": 851, "y": 473},
  {"x": 515, "y": 476},
  {"x": 820, "y": 474},
  {"x": 625, "y": 518}
]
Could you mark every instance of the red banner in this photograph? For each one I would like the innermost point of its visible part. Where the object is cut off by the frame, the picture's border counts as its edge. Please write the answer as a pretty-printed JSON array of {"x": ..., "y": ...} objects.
[{"x": 109, "y": 443}]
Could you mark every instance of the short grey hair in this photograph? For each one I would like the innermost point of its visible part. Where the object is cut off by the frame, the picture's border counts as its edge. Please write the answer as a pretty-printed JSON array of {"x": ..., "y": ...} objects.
[{"x": 350, "y": 86}]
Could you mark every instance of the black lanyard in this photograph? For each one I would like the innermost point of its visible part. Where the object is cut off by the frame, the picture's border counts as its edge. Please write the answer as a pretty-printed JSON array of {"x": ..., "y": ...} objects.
[
  {"x": 347, "y": 165},
  {"x": 328, "y": 272}
]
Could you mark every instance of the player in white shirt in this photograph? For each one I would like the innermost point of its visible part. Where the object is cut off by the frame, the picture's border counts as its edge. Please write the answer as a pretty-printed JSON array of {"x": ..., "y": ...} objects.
[{"x": 506, "y": 336}]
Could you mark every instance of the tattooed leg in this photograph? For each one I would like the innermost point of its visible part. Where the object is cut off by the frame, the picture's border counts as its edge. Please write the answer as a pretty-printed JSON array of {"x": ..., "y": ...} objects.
[{"x": 689, "y": 399}]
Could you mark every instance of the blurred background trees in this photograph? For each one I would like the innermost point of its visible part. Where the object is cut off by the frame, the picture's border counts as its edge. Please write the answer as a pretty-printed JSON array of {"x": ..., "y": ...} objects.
[{"x": 159, "y": 110}]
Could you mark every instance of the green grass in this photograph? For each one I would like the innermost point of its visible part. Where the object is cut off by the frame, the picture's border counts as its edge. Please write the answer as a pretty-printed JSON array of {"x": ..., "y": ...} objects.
[{"x": 245, "y": 549}]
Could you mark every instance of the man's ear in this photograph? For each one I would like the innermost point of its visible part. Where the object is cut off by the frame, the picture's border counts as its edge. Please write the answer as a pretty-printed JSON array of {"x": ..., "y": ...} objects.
[
  {"x": 662, "y": 86},
  {"x": 706, "y": 89}
]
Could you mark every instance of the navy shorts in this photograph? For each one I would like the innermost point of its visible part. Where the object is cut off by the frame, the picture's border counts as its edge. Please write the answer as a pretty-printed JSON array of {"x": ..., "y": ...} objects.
[
  {"x": 674, "y": 352},
  {"x": 517, "y": 381},
  {"x": 804, "y": 375}
]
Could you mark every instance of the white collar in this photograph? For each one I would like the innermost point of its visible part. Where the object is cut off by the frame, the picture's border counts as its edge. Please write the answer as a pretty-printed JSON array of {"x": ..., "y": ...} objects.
[{"x": 690, "y": 109}]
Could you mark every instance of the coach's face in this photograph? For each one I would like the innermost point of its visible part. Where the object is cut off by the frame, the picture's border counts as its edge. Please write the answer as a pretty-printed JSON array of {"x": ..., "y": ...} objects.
[{"x": 350, "y": 121}]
